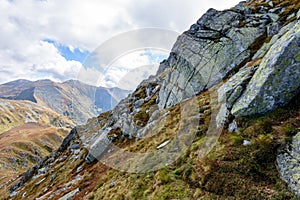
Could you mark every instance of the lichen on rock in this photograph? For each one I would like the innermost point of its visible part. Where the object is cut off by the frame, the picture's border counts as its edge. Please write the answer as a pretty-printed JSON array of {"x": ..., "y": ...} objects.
[
  {"x": 206, "y": 53},
  {"x": 288, "y": 161},
  {"x": 276, "y": 81}
]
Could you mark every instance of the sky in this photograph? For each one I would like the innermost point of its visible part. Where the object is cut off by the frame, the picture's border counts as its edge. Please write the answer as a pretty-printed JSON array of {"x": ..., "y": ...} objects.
[{"x": 51, "y": 39}]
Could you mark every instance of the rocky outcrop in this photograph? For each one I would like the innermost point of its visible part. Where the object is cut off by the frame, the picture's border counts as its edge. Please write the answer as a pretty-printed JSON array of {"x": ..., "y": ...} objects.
[
  {"x": 276, "y": 81},
  {"x": 272, "y": 81},
  {"x": 288, "y": 162},
  {"x": 234, "y": 87},
  {"x": 218, "y": 43}
]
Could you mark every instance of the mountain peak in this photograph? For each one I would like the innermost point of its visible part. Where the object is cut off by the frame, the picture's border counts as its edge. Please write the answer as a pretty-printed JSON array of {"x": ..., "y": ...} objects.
[{"x": 18, "y": 82}]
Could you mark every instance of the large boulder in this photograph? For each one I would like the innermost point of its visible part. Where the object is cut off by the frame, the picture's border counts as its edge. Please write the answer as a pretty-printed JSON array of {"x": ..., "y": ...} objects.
[{"x": 276, "y": 81}]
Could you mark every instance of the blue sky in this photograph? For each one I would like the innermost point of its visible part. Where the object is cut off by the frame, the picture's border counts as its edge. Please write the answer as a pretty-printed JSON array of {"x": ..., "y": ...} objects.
[
  {"x": 68, "y": 52},
  {"x": 50, "y": 39}
]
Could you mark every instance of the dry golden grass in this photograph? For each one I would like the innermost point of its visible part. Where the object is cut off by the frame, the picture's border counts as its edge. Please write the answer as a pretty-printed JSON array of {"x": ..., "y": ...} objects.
[
  {"x": 23, "y": 146},
  {"x": 289, "y": 5}
]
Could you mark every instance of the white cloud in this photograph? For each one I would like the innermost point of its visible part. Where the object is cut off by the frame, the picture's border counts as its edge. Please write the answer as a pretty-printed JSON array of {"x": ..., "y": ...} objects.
[
  {"x": 125, "y": 72},
  {"x": 80, "y": 24},
  {"x": 130, "y": 69}
]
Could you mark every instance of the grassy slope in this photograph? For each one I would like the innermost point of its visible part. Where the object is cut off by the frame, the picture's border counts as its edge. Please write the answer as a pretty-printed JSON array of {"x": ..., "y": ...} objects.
[
  {"x": 23, "y": 146},
  {"x": 230, "y": 171},
  {"x": 16, "y": 113},
  {"x": 28, "y": 132}
]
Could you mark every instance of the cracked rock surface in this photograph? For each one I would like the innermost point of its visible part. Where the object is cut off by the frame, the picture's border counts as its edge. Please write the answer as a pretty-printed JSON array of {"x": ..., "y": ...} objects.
[{"x": 219, "y": 42}]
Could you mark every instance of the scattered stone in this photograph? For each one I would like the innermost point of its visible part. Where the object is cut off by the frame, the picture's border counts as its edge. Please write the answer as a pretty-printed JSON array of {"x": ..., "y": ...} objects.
[
  {"x": 148, "y": 93},
  {"x": 162, "y": 145},
  {"x": 42, "y": 180},
  {"x": 138, "y": 103},
  {"x": 53, "y": 177},
  {"x": 13, "y": 194},
  {"x": 43, "y": 170},
  {"x": 74, "y": 146},
  {"x": 24, "y": 194},
  {"x": 63, "y": 158},
  {"x": 273, "y": 17},
  {"x": 77, "y": 151},
  {"x": 271, "y": 4},
  {"x": 276, "y": 10},
  {"x": 246, "y": 143},
  {"x": 79, "y": 169},
  {"x": 70, "y": 195},
  {"x": 291, "y": 16},
  {"x": 89, "y": 159},
  {"x": 233, "y": 127},
  {"x": 155, "y": 89},
  {"x": 263, "y": 9},
  {"x": 135, "y": 111},
  {"x": 112, "y": 184},
  {"x": 74, "y": 181}
]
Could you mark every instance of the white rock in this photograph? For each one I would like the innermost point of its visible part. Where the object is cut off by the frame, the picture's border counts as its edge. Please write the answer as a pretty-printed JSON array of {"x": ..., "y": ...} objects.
[
  {"x": 162, "y": 145},
  {"x": 233, "y": 127},
  {"x": 246, "y": 143}
]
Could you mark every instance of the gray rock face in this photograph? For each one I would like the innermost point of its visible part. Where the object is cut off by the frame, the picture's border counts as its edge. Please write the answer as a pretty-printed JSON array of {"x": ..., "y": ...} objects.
[
  {"x": 139, "y": 103},
  {"x": 219, "y": 42},
  {"x": 267, "y": 45},
  {"x": 232, "y": 89},
  {"x": 276, "y": 81},
  {"x": 288, "y": 162},
  {"x": 98, "y": 148}
]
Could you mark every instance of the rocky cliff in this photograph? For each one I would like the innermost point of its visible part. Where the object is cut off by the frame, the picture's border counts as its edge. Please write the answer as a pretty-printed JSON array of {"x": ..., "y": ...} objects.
[{"x": 243, "y": 63}]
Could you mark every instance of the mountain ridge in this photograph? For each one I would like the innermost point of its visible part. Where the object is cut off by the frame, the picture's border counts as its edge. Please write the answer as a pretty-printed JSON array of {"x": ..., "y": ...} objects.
[{"x": 71, "y": 98}]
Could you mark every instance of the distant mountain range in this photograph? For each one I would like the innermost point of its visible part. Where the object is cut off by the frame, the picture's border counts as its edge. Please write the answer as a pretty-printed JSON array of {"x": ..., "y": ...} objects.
[
  {"x": 36, "y": 116},
  {"x": 74, "y": 99}
]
